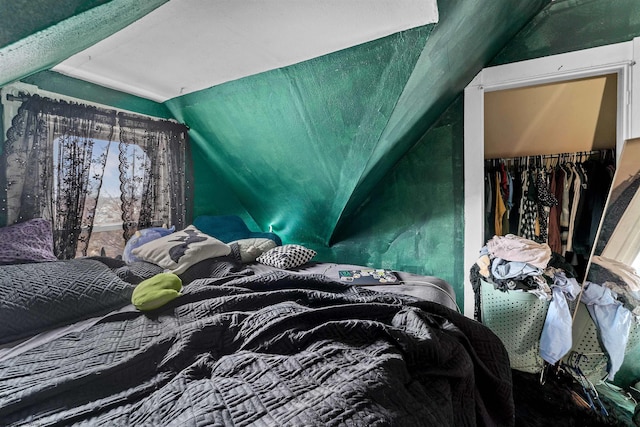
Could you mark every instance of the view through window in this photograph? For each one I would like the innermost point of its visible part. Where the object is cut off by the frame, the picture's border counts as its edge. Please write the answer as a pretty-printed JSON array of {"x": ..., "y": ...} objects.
[{"x": 107, "y": 234}]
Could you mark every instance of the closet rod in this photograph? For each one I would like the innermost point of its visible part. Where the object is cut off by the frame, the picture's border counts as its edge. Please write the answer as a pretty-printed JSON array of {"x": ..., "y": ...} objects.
[{"x": 559, "y": 155}]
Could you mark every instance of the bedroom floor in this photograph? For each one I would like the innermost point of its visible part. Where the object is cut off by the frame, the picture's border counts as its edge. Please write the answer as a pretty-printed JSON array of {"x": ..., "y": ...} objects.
[{"x": 551, "y": 404}]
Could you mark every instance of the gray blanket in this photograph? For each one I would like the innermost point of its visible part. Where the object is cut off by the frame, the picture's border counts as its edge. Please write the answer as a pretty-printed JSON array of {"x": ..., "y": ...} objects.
[{"x": 276, "y": 349}]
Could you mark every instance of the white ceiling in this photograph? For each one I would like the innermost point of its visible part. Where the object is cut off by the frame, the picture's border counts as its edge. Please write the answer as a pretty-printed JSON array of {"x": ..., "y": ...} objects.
[{"x": 189, "y": 45}]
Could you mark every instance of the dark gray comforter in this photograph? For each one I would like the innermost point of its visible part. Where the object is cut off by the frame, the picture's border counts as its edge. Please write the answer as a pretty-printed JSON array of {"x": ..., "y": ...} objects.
[{"x": 277, "y": 349}]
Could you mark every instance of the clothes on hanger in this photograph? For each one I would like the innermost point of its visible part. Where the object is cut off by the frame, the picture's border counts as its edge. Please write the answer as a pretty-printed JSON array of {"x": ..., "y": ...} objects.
[{"x": 555, "y": 199}]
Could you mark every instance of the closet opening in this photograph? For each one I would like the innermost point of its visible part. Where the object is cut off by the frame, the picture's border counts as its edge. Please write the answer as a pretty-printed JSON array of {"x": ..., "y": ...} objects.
[
  {"x": 549, "y": 162},
  {"x": 522, "y": 110}
]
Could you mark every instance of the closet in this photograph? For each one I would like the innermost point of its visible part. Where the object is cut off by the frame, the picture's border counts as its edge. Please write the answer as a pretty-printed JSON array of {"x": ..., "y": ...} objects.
[
  {"x": 517, "y": 119},
  {"x": 556, "y": 199},
  {"x": 617, "y": 59},
  {"x": 549, "y": 162}
]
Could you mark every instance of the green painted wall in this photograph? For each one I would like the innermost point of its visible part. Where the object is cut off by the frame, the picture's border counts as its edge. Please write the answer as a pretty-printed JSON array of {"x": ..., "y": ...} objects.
[
  {"x": 290, "y": 143},
  {"x": 415, "y": 216},
  {"x": 309, "y": 149},
  {"x": 568, "y": 25}
]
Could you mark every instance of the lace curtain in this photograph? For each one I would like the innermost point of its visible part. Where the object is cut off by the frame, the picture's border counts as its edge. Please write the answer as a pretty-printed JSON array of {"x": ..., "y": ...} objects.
[
  {"x": 153, "y": 186},
  {"x": 53, "y": 170}
]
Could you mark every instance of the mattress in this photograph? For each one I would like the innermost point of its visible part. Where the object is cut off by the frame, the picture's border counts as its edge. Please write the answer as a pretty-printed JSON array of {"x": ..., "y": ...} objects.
[{"x": 429, "y": 288}]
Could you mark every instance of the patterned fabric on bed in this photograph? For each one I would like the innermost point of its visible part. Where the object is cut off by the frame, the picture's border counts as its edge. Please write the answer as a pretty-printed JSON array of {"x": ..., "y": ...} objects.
[
  {"x": 224, "y": 266},
  {"x": 287, "y": 256},
  {"x": 36, "y": 297},
  {"x": 180, "y": 250},
  {"x": 29, "y": 241},
  {"x": 275, "y": 349}
]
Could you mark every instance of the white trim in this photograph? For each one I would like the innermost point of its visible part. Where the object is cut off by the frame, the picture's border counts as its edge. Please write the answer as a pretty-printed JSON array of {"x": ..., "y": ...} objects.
[{"x": 616, "y": 58}]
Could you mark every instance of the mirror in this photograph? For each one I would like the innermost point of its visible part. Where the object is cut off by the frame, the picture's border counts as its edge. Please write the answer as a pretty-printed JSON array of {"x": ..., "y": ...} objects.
[
  {"x": 619, "y": 236},
  {"x": 615, "y": 259}
]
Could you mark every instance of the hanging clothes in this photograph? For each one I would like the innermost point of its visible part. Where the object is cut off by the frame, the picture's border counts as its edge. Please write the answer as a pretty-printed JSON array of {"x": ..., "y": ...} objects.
[
  {"x": 501, "y": 207},
  {"x": 529, "y": 208},
  {"x": 575, "y": 202},
  {"x": 515, "y": 196},
  {"x": 557, "y": 189},
  {"x": 544, "y": 203},
  {"x": 556, "y": 199}
]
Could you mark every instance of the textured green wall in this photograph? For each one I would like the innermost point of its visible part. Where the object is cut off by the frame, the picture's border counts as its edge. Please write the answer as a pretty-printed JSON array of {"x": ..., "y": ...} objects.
[
  {"x": 290, "y": 143},
  {"x": 414, "y": 218},
  {"x": 568, "y": 25},
  {"x": 309, "y": 149}
]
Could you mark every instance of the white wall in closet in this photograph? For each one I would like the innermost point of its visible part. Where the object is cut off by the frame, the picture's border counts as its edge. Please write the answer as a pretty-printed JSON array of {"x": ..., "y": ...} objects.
[{"x": 553, "y": 118}]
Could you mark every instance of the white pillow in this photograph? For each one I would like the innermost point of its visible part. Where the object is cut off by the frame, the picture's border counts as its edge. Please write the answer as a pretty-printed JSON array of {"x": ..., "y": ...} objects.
[
  {"x": 286, "y": 256},
  {"x": 252, "y": 248},
  {"x": 182, "y": 249}
]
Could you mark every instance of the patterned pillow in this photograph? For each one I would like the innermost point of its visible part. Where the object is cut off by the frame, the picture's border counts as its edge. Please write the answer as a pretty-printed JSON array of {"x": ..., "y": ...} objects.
[
  {"x": 36, "y": 297},
  {"x": 29, "y": 241},
  {"x": 180, "y": 250},
  {"x": 250, "y": 249},
  {"x": 287, "y": 256},
  {"x": 140, "y": 238}
]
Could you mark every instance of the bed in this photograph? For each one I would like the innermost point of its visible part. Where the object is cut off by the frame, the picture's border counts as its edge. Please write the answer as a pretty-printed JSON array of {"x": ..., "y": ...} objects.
[{"x": 243, "y": 344}]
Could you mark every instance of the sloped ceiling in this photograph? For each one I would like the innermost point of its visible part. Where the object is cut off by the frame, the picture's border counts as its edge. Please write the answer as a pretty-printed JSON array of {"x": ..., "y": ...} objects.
[{"x": 188, "y": 45}]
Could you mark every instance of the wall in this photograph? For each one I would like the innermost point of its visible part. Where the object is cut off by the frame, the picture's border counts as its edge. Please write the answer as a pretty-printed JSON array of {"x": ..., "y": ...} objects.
[
  {"x": 416, "y": 213},
  {"x": 568, "y": 25},
  {"x": 318, "y": 151},
  {"x": 423, "y": 221},
  {"x": 561, "y": 117},
  {"x": 285, "y": 140}
]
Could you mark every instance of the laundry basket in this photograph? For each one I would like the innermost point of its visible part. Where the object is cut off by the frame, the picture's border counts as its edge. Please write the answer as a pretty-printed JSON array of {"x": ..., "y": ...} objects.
[
  {"x": 517, "y": 318},
  {"x": 586, "y": 342}
]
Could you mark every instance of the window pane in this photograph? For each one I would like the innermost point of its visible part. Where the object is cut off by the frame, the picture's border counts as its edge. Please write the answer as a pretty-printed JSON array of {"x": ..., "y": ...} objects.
[
  {"x": 111, "y": 241},
  {"x": 107, "y": 231}
]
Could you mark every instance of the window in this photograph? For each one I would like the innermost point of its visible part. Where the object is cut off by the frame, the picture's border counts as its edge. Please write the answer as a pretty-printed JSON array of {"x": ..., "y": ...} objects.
[
  {"x": 106, "y": 238},
  {"x": 98, "y": 175}
]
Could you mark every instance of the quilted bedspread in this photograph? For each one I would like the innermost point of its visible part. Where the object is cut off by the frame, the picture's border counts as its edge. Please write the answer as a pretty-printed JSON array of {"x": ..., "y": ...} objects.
[{"x": 268, "y": 350}]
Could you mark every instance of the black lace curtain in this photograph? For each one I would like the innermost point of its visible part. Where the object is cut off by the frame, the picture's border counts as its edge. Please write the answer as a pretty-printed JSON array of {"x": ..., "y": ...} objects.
[{"x": 153, "y": 172}]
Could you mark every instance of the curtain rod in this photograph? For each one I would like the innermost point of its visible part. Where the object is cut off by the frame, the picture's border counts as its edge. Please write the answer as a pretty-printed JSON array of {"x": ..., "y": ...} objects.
[
  {"x": 11, "y": 97},
  {"x": 22, "y": 97}
]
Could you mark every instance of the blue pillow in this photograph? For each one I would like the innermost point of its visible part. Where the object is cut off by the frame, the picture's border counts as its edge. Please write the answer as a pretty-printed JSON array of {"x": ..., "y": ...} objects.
[
  {"x": 140, "y": 238},
  {"x": 229, "y": 228}
]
